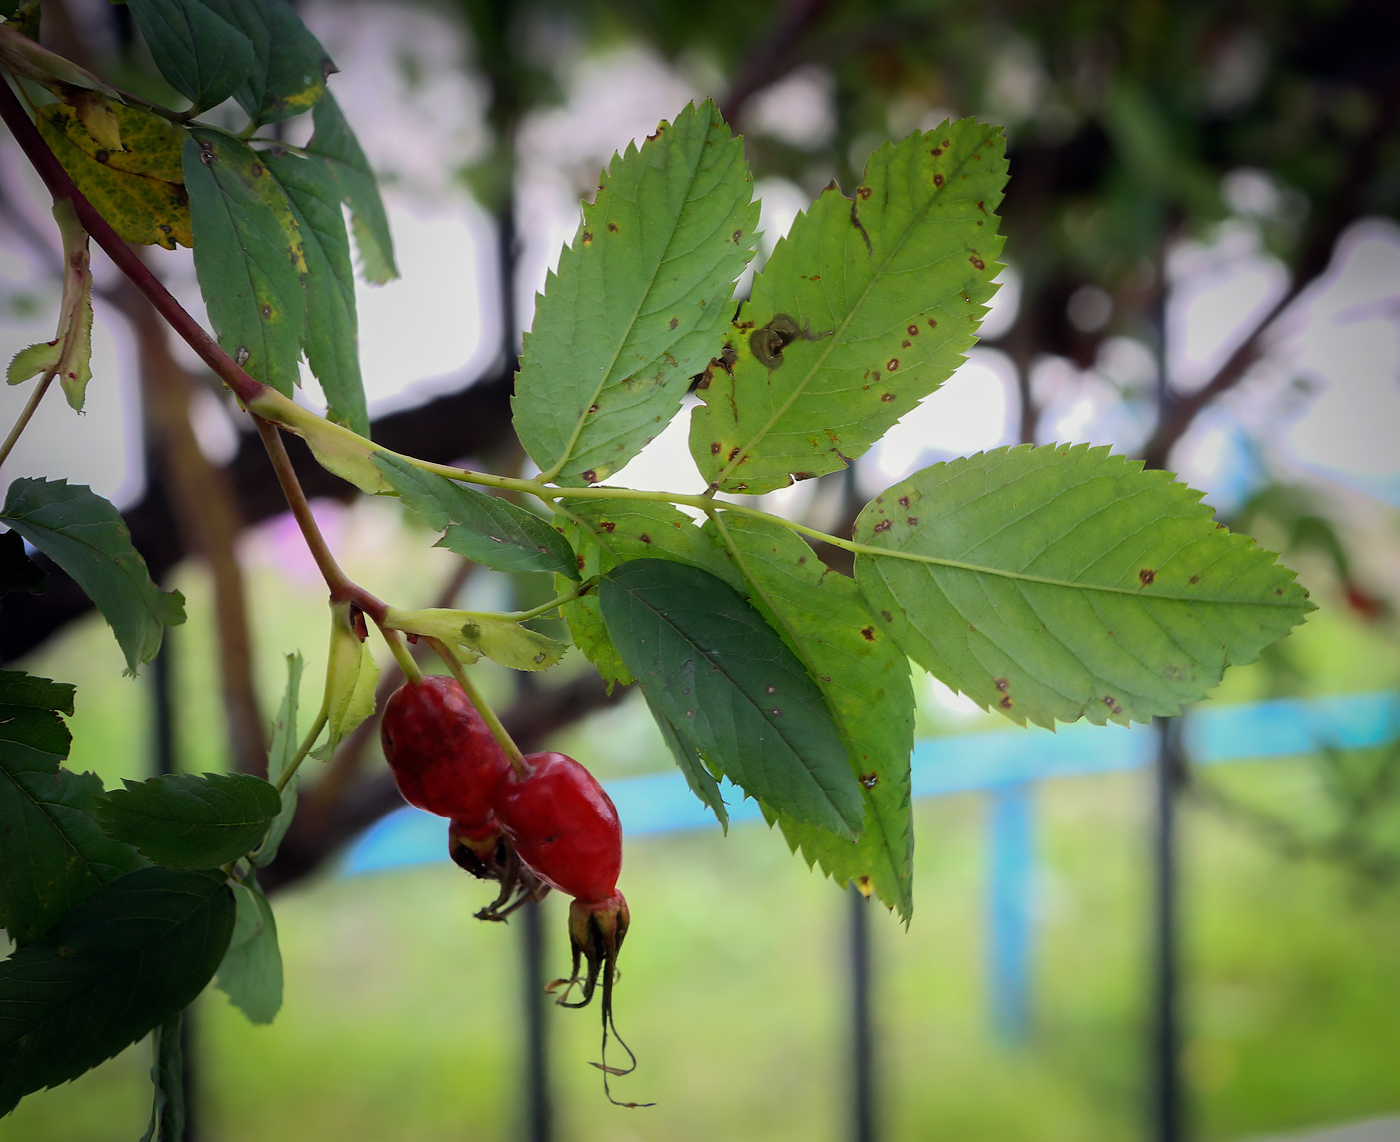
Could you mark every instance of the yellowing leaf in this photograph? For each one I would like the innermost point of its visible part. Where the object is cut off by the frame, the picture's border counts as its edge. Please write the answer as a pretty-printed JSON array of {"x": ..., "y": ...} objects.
[
  {"x": 69, "y": 354},
  {"x": 351, "y": 674},
  {"x": 140, "y": 191},
  {"x": 471, "y": 634}
]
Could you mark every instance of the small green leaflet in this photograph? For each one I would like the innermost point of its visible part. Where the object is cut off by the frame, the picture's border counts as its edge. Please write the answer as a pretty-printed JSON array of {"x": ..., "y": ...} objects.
[
  {"x": 865, "y": 678},
  {"x": 251, "y": 972},
  {"x": 52, "y": 853},
  {"x": 351, "y": 675},
  {"x": 331, "y": 327},
  {"x": 280, "y": 755},
  {"x": 168, "y": 1083},
  {"x": 69, "y": 354},
  {"x": 84, "y": 535},
  {"x": 183, "y": 821},
  {"x": 335, "y": 142},
  {"x": 199, "y": 53},
  {"x": 127, "y": 959},
  {"x": 488, "y": 529},
  {"x": 639, "y": 300},
  {"x": 866, "y": 307},
  {"x": 1063, "y": 582},
  {"x": 289, "y": 66},
  {"x": 725, "y": 680},
  {"x": 248, "y": 256}
]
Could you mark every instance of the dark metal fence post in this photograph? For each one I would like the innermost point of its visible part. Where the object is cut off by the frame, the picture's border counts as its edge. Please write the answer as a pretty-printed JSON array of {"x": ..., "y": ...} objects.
[
  {"x": 1167, "y": 1106},
  {"x": 862, "y": 1039},
  {"x": 539, "y": 1117}
]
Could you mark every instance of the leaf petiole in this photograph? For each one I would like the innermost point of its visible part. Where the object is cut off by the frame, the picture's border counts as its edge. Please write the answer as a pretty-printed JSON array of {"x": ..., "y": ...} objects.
[
  {"x": 410, "y": 668},
  {"x": 302, "y": 750},
  {"x": 26, "y": 414}
]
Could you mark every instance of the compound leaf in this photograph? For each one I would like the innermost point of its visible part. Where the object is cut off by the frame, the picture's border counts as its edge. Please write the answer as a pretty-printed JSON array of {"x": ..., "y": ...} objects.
[
  {"x": 638, "y": 301},
  {"x": 125, "y": 960},
  {"x": 289, "y": 66},
  {"x": 865, "y": 308},
  {"x": 248, "y": 256},
  {"x": 732, "y": 689},
  {"x": 488, "y": 529},
  {"x": 335, "y": 142},
  {"x": 139, "y": 190},
  {"x": 864, "y": 676},
  {"x": 184, "y": 821},
  {"x": 200, "y": 54},
  {"x": 52, "y": 853},
  {"x": 251, "y": 972},
  {"x": 331, "y": 327},
  {"x": 85, "y": 535},
  {"x": 1063, "y": 582}
]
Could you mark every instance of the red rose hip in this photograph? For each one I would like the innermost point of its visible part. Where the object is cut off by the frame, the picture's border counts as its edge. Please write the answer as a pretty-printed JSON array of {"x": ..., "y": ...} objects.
[
  {"x": 442, "y": 753},
  {"x": 563, "y": 825}
]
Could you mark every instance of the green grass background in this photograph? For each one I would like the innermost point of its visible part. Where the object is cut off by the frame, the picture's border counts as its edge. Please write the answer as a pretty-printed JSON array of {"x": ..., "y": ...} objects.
[{"x": 401, "y": 1017}]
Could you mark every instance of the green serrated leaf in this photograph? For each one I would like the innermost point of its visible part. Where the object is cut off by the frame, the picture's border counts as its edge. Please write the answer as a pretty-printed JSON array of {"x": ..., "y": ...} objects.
[
  {"x": 289, "y": 68},
  {"x": 331, "y": 326},
  {"x": 1063, "y": 582},
  {"x": 248, "y": 256},
  {"x": 692, "y": 766},
  {"x": 183, "y": 821},
  {"x": 864, "y": 677},
  {"x": 251, "y": 972},
  {"x": 731, "y": 687},
  {"x": 488, "y": 529},
  {"x": 17, "y": 571},
  {"x": 167, "y": 1083},
  {"x": 335, "y": 142},
  {"x": 639, "y": 300},
  {"x": 125, "y": 960},
  {"x": 35, "y": 360},
  {"x": 471, "y": 634},
  {"x": 351, "y": 675},
  {"x": 866, "y": 307},
  {"x": 85, "y": 535},
  {"x": 52, "y": 853},
  {"x": 281, "y": 754},
  {"x": 200, "y": 54},
  {"x": 139, "y": 190}
]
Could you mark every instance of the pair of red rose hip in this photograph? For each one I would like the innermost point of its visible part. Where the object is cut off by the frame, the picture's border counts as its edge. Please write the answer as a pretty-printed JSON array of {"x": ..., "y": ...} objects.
[{"x": 553, "y": 818}]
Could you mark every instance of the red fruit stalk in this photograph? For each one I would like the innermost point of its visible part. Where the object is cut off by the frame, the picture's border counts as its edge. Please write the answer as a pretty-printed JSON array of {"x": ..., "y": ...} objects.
[{"x": 565, "y": 829}]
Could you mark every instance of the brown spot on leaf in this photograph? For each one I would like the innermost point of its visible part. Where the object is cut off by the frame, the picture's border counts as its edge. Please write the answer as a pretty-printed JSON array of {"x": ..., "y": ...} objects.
[
  {"x": 1195, "y": 579},
  {"x": 772, "y": 689},
  {"x": 932, "y": 323},
  {"x": 912, "y": 520},
  {"x": 732, "y": 453},
  {"x": 870, "y": 780},
  {"x": 982, "y": 208},
  {"x": 887, "y": 397},
  {"x": 612, "y": 227},
  {"x": 266, "y": 311},
  {"x": 892, "y": 364},
  {"x": 883, "y": 525},
  {"x": 675, "y": 321},
  {"x": 257, "y": 171},
  {"x": 936, "y": 151},
  {"x": 737, "y": 235},
  {"x": 913, "y": 332},
  {"x": 608, "y": 525},
  {"x": 889, "y": 618},
  {"x": 863, "y": 191},
  {"x": 591, "y": 476},
  {"x": 588, "y": 237},
  {"x": 977, "y": 263},
  {"x": 593, "y": 408},
  {"x": 905, "y": 344},
  {"x": 1006, "y": 702},
  {"x": 1001, "y": 684},
  {"x": 644, "y": 537},
  {"x": 1147, "y": 575},
  {"x": 869, "y": 633},
  {"x": 938, "y": 180},
  {"x": 101, "y": 156}
]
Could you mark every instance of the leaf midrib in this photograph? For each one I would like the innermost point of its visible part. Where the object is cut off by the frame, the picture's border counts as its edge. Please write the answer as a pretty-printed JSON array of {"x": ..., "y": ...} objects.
[{"x": 836, "y": 340}]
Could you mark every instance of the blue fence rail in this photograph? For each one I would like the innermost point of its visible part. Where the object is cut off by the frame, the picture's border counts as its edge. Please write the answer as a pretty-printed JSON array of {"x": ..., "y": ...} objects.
[{"x": 1006, "y": 764}]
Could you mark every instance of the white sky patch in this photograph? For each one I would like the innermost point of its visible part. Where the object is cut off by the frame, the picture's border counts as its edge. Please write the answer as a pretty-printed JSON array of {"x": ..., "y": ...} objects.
[{"x": 797, "y": 110}]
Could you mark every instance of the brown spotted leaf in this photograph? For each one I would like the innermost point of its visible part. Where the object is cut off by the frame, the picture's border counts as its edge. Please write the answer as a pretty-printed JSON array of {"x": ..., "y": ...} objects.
[
  {"x": 864, "y": 309},
  {"x": 1064, "y": 582}
]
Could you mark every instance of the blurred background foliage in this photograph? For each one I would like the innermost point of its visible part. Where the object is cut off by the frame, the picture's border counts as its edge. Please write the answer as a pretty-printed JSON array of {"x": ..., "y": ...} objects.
[{"x": 1151, "y": 142}]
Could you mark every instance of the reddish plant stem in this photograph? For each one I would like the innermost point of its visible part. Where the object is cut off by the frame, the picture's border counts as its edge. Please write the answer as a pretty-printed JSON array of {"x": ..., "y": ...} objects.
[
  {"x": 61, "y": 186},
  {"x": 342, "y": 588}
]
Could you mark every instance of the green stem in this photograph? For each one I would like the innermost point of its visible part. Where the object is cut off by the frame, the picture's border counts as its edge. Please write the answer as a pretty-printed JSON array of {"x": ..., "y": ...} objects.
[
  {"x": 544, "y": 608},
  {"x": 488, "y": 715},
  {"x": 410, "y": 668},
  {"x": 302, "y": 750},
  {"x": 24, "y": 417}
]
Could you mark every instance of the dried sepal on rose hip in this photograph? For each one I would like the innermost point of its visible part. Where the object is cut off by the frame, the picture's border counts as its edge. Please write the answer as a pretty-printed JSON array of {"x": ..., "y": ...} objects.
[
  {"x": 565, "y": 829},
  {"x": 486, "y": 852}
]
